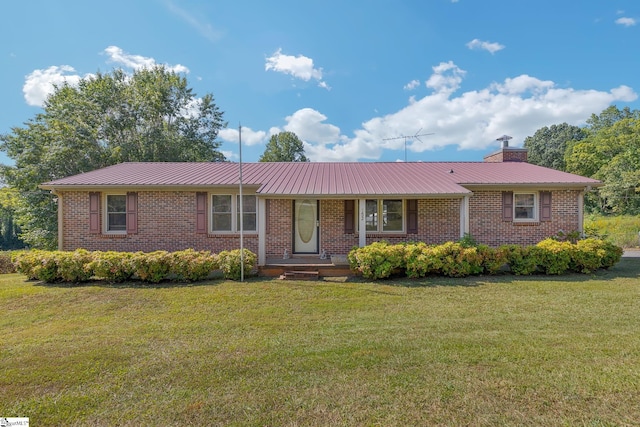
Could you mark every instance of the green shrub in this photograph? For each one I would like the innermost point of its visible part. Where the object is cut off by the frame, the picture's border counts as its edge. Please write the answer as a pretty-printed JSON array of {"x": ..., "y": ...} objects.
[
  {"x": 231, "y": 266},
  {"x": 521, "y": 259},
  {"x": 26, "y": 263},
  {"x": 151, "y": 267},
  {"x": 112, "y": 266},
  {"x": 420, "y": 260},
  {"x": 378, "y": 260},
  {"x": 587, "y": 256},
  {"x": 73, "y": 266},
  {"x": 492, "y": 259},
  {"x": 554, "y": 257},
  {"x": 6, "y": 263},
  {"x": 46, "y": 269},
  {"x": 457, "y": 260},
  {"x": 612, "y": 254},
  {"x": 191, "y": 265}
]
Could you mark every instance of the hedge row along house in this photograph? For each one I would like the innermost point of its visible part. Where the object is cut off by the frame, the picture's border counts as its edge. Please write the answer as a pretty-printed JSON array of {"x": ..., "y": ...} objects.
[{"x": 309, "y": 209}]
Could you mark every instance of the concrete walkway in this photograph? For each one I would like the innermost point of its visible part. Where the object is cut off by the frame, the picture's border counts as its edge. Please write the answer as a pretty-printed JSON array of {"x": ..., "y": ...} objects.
[{"x": 631, "y": 253}]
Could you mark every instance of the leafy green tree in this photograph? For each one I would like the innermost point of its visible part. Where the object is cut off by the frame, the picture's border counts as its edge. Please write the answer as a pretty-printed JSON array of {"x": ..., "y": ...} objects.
[
  {"x": 548, "y": 144},
  {"x": 9, "y": 231},
  {"x": 608, "y": 117},
  {"x": 611, "y": 154},
  {"x": 106, "y": 119},
  {"x": 284, "y": 147}
]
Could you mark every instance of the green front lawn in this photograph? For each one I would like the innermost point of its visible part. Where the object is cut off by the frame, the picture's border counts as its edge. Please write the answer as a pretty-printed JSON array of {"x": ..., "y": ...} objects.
[{"x": 478, "y": 351}]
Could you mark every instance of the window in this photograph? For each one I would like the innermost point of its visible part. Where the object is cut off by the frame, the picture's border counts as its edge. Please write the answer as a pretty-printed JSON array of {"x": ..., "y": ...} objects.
[
  {"x": 384, "y": 215},
  {"x": 116, "y": 217},
  {"x": 524, "y": 206},
  {"x": 249, "y": 213},
  {"x": 225, "y": 213},
  {"x": 527, "y": 207},
  {"x": 221, "y": 213}
]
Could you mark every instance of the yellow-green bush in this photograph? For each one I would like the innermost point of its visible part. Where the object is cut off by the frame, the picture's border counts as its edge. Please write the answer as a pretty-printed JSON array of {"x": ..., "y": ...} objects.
[
  {"x": 378, "y": 260},
  {"x": 152, "y": 267},
  {"x": 420, "y": 260},
  {"x": 231, "y": 265},
  {"x": 112, "y": 266},
  {"x": 554, "y": 257},
  {"x": 6, "y": 263},
  {"x": 191, "y": 265}
]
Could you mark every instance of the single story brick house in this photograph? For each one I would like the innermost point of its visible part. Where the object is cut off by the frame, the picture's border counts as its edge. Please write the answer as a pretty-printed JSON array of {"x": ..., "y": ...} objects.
[{"x": 307, "y": 209}]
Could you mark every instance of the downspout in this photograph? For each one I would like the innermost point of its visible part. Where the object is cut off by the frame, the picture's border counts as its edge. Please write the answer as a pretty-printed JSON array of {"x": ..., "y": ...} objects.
[
  {"x": 262, "y": 232},
  {"x": 60, "y": 220},
  {"x": 581, "y": 212}
]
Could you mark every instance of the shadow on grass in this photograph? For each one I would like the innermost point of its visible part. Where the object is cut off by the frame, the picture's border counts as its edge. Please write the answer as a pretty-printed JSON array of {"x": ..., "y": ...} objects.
[{"x": 626, "y": 268}]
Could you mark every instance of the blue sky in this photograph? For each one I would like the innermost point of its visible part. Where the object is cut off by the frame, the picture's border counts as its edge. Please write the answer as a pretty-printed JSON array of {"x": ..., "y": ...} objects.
[{"x": 351, "y": 78}]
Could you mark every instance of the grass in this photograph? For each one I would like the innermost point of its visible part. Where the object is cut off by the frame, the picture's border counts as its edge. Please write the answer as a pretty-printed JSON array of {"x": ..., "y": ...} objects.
[
  {"x": 476, "y": 351},
  {"x": 621, "y": 230}
]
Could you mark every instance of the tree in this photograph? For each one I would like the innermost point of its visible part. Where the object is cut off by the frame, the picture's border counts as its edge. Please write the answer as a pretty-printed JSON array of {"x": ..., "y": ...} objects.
[
  {"x": 548, "y": 145},
  {"x": 9, "y": 231},
  {"x": 110, "y": 118},
  {"x": 608, "y": 117},
  {"x": 611, "y": 154},
  {"x": 284, "y": 147}
]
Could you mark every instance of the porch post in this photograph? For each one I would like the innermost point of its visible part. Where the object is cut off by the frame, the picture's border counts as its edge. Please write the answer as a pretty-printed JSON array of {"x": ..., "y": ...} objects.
[
  {"x": 362, "y": 225},
  {"x": 581, "y": 212},
  {"x": 60, "y": 221},
  {"x": 262, "y": 231},
  {"x": 464, "y": 216}
]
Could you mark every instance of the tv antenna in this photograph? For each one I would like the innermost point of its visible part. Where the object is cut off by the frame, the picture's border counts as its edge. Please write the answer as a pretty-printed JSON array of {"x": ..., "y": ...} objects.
[{"x": 411, "y": 137}]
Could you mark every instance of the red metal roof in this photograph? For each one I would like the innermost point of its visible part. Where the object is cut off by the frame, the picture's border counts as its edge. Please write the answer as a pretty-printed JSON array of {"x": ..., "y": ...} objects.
[{"x": 326, "y": 179}]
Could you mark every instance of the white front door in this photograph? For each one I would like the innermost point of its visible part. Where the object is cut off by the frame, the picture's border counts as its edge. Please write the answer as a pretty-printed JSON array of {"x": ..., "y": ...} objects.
[{"x": 305, "y": 232}]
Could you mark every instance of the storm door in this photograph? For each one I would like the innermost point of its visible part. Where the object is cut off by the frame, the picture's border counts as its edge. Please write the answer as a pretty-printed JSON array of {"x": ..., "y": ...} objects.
[{"x": 305, "y": 226}]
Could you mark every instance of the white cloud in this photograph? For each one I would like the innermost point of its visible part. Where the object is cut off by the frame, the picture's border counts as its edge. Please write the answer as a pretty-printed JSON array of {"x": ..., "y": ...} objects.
[
  {"x": 627, "y": 22},
  {"x": 446, "y": 77},
  {"x": 205, "y": 29},
  {"x": 309, "y": 125},
  {"x": 39, "y": 84},
  {"x": 249, "y": 136},
  {"x": 300, "y": 67},
  {"x": 412, "y": 85},
  {"x": 488, "y": 46},
  {"x": 517, "y": 106},
  {"x": 136, "y": 62}
]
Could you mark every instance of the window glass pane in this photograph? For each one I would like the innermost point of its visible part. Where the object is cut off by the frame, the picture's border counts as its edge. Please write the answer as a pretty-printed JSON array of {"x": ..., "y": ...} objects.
[
  {"x": 222, "y": 203},
  {"x": 249, "y": 223},
  {"x": 221, "y": 213},
  {"x": 116, "y": 212},
  {"x": 524, "y": 205},
  {"x": 371, "y": 218},
  {"x": 392, "y": 215},
  {"x": 249, "y": 208}
]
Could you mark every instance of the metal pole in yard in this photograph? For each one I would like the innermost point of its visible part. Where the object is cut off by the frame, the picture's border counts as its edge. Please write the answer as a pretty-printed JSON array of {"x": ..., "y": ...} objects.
[{"x": 241, "y": 207}]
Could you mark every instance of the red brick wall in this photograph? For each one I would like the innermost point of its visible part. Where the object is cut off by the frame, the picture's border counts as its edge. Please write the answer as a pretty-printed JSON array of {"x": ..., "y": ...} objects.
[
  {"x": 166, "y": 221},
  {"x": 508, "y": 155},
  {"x": 279, "y": 229},
  {"x": 486, "y": 224}
]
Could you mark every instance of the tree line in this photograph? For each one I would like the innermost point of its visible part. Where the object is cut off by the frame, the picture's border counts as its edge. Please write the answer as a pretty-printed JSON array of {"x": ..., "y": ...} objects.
[
  {"x": 607, "y": 148},
  {"x": 151, "y": 115}
]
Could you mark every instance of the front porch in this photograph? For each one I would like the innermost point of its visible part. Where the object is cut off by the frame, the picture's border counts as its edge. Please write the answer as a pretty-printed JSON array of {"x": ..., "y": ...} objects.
[{"x": 306, "y": 267}]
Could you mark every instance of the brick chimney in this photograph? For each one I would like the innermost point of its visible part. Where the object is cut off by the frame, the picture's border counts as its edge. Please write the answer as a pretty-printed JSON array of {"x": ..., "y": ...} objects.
[{"x": 506, "y": 153}]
